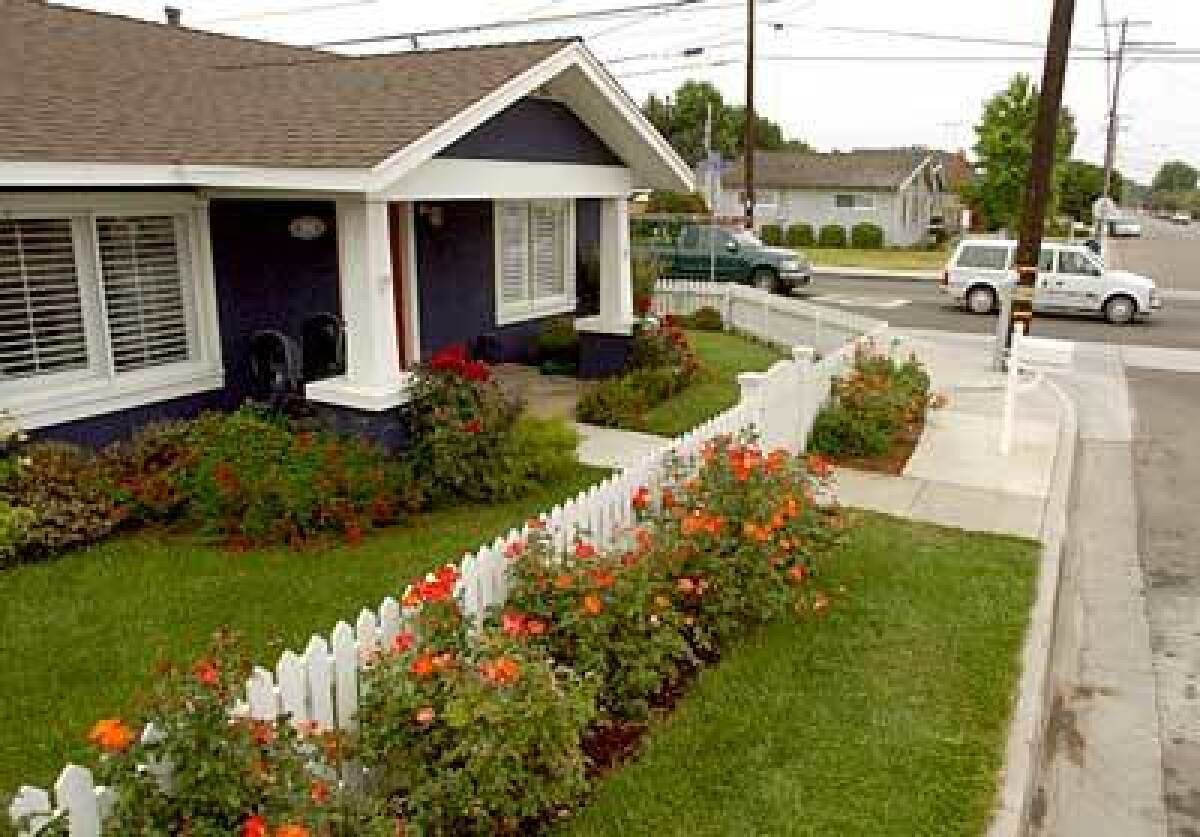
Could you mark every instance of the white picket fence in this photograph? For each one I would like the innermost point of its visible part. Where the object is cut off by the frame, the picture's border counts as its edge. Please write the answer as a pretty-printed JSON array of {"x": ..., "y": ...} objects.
[{"x": 321, "y": 683}]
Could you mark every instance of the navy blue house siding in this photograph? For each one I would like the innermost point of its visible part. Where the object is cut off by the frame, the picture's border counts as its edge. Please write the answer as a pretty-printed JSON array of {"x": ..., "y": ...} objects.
[
  {"x": 266, "y": 278},
  {"x": 533, "y": 130},
  {"x": 456, "y": 273}
]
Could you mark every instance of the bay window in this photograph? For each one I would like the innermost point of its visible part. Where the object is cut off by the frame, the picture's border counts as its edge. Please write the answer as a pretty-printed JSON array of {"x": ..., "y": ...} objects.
[{"x": 535, "y": 259}]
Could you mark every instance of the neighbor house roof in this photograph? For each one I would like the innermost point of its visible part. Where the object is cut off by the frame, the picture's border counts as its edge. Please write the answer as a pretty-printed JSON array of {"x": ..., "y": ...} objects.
[
  {"x": 869, "y": 169},
  {"x": 80, "y": 86}
]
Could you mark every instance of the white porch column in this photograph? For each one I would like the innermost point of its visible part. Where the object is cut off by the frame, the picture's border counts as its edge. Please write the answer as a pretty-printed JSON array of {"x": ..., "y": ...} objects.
[
  {"x": 616, "y": 274},
  {"x": 373, "y": 379}
]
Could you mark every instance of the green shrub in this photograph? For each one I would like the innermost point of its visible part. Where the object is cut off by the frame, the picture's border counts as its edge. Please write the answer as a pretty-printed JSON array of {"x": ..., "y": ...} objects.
[
  {"x": 462, "y": 421},
  {"x": 706, "y": 318},
  {"x": 478, "y": 735},
  {"x": 832, "y": 235},
  {"x": 771, "y": 234},
  {"x": 69, "y": 493},
  {"x": 147, "y": 472},
  {"x": 874, "y": 402},
  {"x": 558, "y": 340},
  {"x": 252, "y": 480},
  {"x": 866, "y": 236},
  {"x": 537, "y": 452},
  {"x": 611, "y": 403},
  {"x": 15, "y": 523},
  {"x": 646, "y": 271},
  {"x": 800, "y": 235}
]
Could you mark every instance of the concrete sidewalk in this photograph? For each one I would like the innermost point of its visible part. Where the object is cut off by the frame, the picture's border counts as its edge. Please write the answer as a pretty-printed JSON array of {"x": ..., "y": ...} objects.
[{"x": 957, "y": 475}]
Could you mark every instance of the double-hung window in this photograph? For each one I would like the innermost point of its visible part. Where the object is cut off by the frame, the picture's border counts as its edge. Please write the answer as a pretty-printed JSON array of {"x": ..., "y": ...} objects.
[
  {"x": 96, "y": 307},
  {"x": 535, "y": 259},
  {"x": 854, "y": 201}
]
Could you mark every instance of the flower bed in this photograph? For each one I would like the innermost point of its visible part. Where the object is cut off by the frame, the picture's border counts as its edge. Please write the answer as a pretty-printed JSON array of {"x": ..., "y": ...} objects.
[
  {"x": 481, "y": 729},
  {"x": 876, "y": 412},
  {"x": 253, "y": 478},
  {"x": 662, "y": 364}
]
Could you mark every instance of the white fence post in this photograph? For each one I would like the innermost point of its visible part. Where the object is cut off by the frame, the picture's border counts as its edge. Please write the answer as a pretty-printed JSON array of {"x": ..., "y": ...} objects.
[{"x": 752, "y": 385}]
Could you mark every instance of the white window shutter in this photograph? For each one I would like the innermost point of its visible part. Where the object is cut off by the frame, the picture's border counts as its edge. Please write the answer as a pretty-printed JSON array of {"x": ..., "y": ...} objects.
[
  {"x": 547, "y": 250},
  {"x": 513, "y": 232},
  {"x": 42, "y": 329},
  {"x": 144, "y": 294}
]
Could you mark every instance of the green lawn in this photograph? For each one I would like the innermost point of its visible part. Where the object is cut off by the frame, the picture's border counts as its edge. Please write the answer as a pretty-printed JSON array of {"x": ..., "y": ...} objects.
[
  {"x": 724, "y": 356},
  {"x": 79, "y": 635},
  {"x": 888, "y": 717},
  {"x": 887, "y": 259}
]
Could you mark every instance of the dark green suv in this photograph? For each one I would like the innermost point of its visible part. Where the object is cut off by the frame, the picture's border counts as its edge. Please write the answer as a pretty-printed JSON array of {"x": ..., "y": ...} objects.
[{"x": 690, "y": 250}]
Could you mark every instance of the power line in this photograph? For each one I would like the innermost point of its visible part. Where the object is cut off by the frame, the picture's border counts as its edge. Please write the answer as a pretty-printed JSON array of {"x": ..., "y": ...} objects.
[
  {"x": 924, "y": 36},
  {"x": 565, "y": 17}
]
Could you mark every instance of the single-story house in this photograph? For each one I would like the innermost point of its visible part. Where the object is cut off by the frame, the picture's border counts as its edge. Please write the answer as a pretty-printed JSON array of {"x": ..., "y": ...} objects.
[
  {"x": 900, "y": 189},
  {"x": 168, "y": 196}
]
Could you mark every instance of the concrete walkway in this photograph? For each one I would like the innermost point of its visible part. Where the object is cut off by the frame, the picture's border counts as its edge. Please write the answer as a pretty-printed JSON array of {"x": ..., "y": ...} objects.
[{"x": 957, "y": 475}]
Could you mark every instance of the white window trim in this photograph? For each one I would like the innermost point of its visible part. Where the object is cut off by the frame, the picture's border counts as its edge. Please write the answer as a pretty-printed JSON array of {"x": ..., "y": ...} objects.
[
  {"x": 45, "y": 401},
  {"x": 510, "y": 314}
]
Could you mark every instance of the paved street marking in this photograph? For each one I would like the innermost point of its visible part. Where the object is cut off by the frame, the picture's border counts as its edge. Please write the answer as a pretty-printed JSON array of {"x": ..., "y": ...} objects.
[{"x": 860, "y": 301}]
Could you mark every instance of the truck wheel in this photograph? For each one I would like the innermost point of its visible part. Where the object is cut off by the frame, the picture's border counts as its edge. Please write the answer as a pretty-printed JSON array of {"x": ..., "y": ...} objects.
[
  {"x": 764, "y": 279},
  {"x": 1120, "y": 310},
  {"x": 981, "y": 300}
]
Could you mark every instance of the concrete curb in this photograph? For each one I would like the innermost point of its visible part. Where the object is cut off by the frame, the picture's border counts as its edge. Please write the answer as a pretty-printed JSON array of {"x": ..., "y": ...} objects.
[{"x": 1026, "y": 732}]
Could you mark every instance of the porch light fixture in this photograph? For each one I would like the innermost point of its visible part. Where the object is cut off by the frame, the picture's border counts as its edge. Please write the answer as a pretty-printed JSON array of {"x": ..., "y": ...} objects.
[
  {"x": 432, "y": 214},
  {"x": 307, "y": 228}
]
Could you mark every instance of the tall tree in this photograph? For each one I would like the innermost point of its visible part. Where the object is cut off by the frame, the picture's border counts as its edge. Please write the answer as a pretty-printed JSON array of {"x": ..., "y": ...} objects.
[
  {"x": 1082, "y": 183},
  {"x": 681, "y": 118},
  {"x": 1004, "y": 147},
  {"x": 1175, "y": 176}
]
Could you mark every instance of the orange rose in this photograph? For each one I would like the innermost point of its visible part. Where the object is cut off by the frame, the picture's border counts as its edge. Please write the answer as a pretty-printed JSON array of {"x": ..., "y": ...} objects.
[
  {"x": 318, "y": 791},
  {"x": 503, "y": 671},
  {"x": 111, "y": 735},
  {"x": 592, "y": 605},
  {"x": 422, "y": 666},
  {"x": 564, "y": 582},
  {"x": 292, "y": 831},
  {"x": 206, "y": 673}
]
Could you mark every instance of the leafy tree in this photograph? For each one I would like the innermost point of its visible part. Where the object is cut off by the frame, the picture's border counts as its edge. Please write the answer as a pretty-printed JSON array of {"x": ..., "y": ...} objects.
[
  {"x": 1004, "y": 149},
  {"x": 1082, "y": 183},
  {"x": 681, "y": 117},
  {"x": 1175, "y": 176}
]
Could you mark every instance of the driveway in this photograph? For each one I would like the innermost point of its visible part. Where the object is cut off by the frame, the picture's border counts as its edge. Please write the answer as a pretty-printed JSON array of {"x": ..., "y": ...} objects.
[{"x": 1167, "y": 472}]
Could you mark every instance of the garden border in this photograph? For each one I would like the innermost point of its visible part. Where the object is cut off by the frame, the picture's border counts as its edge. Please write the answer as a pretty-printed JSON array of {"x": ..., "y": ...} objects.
[
  {"x": 1026, "y": 732},
  {"x": 321, "y": 682}
]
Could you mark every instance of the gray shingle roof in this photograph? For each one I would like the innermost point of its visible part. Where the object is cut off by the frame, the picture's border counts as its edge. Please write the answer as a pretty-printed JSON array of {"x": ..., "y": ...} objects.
[
  {"x": 868, "y": 169},
  {"x": 81, "y": 86}
]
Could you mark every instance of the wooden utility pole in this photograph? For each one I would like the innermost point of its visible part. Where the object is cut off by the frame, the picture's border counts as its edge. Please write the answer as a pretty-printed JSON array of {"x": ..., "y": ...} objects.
[
  {"x": 1041, "y": 168},
  {"x": 751, "y": 126}
]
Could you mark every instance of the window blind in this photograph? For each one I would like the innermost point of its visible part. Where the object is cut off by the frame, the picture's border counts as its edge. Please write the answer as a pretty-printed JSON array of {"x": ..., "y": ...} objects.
[
  {"x": 42, "y": 330},
  {"x": 514, "y": 263},
  {"x": 547, "y": 250},
  {"x": 143, "y": 291}
]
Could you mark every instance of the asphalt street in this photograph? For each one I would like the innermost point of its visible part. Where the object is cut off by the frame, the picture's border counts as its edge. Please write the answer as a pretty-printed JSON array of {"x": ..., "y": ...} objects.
[
  {"x": 1168, "y": 253},
  {"x": 920, "y": 304}
]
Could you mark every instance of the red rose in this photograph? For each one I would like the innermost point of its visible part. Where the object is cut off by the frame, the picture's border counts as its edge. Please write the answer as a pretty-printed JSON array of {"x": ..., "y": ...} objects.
[
  {"x": 473, "y": 426},
  {"x": 475, "y": 371},
  {"x": 254, "y": 826}
]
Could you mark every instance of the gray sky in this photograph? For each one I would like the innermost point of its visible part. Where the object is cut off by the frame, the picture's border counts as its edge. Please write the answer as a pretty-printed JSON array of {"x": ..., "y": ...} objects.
[{"x": 838, "y": 104}]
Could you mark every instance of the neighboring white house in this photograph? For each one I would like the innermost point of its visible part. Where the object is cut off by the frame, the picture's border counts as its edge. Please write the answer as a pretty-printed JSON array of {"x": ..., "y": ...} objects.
[{"x": 900, "y": 189}]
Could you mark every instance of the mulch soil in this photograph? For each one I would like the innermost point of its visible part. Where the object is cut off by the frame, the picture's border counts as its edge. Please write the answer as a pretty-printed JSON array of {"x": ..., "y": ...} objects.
[{"x": 897, "y": 456}]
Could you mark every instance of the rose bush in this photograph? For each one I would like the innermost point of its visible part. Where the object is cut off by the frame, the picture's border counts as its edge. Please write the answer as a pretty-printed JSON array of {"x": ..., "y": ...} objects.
[
  {"x": 186, "y": 767},
  {"x": 876, "y": 400},
  {"x": 606, "y": 615},
  {"x": 478, "y": 735},
  {"x": 251, "y": 479}
]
